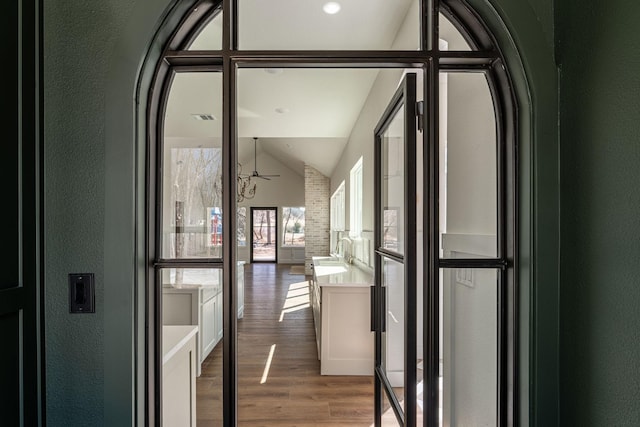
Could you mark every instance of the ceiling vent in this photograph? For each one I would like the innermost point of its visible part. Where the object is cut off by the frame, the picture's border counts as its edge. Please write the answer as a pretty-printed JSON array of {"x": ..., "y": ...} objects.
[{"x": 204, "y": 116}]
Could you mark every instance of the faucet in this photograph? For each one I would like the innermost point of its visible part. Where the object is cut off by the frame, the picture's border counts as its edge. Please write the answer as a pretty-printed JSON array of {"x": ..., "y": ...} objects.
[{"x": 342, "y": 239}]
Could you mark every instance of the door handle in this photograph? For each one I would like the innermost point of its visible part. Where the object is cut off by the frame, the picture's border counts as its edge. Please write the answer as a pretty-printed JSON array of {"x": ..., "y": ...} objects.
[
  {"x": 383, "y": 309},
  {"x": 373, "y": 305}
]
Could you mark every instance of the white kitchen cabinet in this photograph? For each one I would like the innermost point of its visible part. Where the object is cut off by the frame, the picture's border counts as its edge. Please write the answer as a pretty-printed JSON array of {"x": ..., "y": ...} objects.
[
  {"x": 201, "y": 305},
  {"x": 340, "y": 301},
  {"x": 209, "y": 323},
  {"x": 195, "y": 305},
  {"x": 179, "y": 376},
  {"x": 218, "y": 323},
  {"x": 316, "y": 308}
]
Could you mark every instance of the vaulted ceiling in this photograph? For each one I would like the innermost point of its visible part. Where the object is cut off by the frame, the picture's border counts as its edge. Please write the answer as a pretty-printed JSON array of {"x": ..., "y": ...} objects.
[{"x": 300, "y": 115}]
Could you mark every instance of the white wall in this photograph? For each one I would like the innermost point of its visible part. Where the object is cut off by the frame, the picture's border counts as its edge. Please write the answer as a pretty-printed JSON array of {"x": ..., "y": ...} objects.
[
  {"x": 362, "y": 135},
  {"x": 471, "y": 156}
]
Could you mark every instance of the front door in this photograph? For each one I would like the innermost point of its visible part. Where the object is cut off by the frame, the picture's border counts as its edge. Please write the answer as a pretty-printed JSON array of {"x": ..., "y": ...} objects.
[
  {"x": 264, "y": 235},
  {"x": 394, "y": 293}
]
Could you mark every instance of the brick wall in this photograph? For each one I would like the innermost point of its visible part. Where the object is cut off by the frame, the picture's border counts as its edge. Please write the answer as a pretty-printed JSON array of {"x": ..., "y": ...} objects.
[{"x": 316, "y": 190}]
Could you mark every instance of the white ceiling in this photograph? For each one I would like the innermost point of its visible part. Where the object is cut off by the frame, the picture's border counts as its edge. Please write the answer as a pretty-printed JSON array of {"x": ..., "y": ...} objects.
[{"x": 299, "y": 115}]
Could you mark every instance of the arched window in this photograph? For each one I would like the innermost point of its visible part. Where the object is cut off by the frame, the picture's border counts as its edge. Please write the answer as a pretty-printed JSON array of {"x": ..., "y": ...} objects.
[{"x": 270, "y": 104}]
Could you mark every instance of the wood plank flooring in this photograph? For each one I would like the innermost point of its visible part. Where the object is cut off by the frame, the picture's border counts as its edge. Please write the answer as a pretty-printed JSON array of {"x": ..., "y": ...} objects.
[{"x": 291, "y": 392}]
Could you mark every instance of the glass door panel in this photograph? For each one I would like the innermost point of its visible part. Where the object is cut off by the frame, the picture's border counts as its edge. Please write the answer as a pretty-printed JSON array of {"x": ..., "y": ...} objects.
[
  {"x": 395, "y": 259},
  {"x": 468, "y": 184},
  {"x": 393, "y": 197},
  {"x": 298, "y": 25},
  {"x": 264, "y": 234},
  {"x": 469, "y": 357},
  {"x": 192, "y": 306},
  {"x": 393, "y": 335},
  {"x": 191, "y": 199},
  {"x": 389, "y": 417},
  {"x": 210, "y": 36}
]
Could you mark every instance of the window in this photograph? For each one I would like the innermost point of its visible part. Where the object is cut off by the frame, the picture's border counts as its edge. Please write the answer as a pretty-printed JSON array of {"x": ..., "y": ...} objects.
[
  {"x": 293, "y": 226},
  {"x": 241, "y": 226},
  {"x": 337, "y": 212},
  {"x": 355, "y": 198},
  {"x": 390, "y": 230},
  {"x": 337, "y": 209}
]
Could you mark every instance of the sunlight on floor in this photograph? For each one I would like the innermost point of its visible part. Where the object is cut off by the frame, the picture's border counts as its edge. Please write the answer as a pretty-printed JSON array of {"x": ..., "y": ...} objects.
[
  {"x": 389, "y": 417},
  {"x": 297, "y": 298},
  {"x": 267, "y": 366}
]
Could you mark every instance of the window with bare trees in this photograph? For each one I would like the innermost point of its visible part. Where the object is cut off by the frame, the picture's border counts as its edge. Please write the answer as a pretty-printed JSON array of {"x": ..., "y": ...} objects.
[{"x": 293, "y": 226}]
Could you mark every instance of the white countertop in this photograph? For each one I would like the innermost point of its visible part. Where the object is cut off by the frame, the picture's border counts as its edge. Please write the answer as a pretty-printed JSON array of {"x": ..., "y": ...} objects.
[
  {"x": 195, "y": 278},
  {"x": 174, "y": 337},
  {"x": 340, "y": 274}
]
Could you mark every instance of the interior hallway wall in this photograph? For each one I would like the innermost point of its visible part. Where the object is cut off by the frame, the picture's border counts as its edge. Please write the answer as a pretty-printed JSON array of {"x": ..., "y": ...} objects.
[
  {"x": 598, "y": 49},
  {"x": 80, "y": 38}
]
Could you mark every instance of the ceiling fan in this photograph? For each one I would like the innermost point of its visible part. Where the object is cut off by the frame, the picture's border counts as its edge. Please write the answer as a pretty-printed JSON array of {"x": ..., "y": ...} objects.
[{"x": 255, "y": 173}]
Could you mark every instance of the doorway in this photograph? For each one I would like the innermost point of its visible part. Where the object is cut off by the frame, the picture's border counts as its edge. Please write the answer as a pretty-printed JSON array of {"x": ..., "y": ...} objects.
[
  {"x": 426, "y": 336},
  {"x": 264, "y": 235}
]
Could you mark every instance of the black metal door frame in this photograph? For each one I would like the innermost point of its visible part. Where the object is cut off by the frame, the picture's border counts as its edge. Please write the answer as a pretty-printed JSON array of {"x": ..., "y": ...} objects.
[
  {"x": 484, "y": 56},
  {"x": 405, "y": 97},
  {"x": 251, "y": 242}
]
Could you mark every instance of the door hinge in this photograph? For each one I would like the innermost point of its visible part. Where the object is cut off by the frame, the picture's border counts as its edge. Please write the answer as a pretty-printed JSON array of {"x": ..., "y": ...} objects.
[{"x": 420, "y": 114}]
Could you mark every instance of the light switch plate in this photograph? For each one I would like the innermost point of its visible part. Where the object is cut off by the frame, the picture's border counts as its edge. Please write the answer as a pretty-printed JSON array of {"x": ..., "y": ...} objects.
[{"x": 81, "y": 293}]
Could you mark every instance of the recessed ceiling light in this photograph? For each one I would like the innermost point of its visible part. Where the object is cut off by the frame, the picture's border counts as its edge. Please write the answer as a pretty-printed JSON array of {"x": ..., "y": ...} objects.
[
  {"x": 282, "y": 110},
  {"x": 331, "y": 8},
  {"x": 273, "y": 70}
]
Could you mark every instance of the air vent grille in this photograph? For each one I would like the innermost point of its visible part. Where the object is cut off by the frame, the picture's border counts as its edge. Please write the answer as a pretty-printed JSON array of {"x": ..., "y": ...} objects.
[{"x": 204, "y": 116}]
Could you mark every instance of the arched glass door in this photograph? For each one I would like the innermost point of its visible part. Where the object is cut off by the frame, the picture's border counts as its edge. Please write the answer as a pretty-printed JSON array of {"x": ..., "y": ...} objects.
[{"x": 444, "y": 198}]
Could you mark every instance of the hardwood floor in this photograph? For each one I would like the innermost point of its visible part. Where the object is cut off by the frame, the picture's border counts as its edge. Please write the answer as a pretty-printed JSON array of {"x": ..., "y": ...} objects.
[{"x": 289, "y": 391}]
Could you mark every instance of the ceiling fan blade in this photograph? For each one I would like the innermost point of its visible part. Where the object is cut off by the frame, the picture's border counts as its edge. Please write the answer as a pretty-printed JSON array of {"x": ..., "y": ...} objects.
[{"x": 255, "y": 172}]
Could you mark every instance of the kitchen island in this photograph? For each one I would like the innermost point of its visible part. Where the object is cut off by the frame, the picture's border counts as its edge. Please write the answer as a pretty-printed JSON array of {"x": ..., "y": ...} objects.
[
  {"x": 195, "y": 297},
  {"x": 340, "y": 300}
]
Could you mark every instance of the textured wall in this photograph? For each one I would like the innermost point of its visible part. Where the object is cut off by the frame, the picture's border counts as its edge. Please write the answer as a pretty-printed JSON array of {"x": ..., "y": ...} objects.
[
  {"x": 79, "y": 39},
  {"x": 599, "y": 54}
]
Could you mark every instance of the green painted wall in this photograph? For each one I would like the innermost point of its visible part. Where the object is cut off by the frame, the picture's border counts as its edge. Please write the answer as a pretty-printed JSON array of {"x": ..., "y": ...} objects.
[
  {"x": 598, "y": 48},
  {"x": 79, "y": 42},
  {"x": 524, "y": 32}
]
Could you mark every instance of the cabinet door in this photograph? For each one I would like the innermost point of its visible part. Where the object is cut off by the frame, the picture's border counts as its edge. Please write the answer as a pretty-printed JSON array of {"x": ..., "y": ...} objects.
[
  {"x": 208, "y": 327},
  {"x": 219, "y": 331}
]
